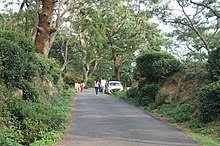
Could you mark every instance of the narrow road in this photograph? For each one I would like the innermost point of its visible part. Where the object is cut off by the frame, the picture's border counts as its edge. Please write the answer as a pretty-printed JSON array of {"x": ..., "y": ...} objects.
[{"x": 105, "y": 121}]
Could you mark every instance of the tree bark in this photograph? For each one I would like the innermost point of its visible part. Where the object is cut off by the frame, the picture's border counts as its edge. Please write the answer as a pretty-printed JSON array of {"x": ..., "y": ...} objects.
[
  {"x": 85, "y": 73},
  {"x": 44, "y": 30},
  {"x": 117, "y": 60},
  {"x": 36, "y": 20},
  {"x": 117, "y": 73}
]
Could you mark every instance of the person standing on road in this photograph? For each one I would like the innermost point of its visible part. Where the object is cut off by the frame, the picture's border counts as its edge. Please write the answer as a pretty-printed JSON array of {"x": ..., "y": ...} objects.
[
  {"x": 103, "y": 84},
  {"x": 96, "y": 86},
  {"x": 82, "y": 85}
]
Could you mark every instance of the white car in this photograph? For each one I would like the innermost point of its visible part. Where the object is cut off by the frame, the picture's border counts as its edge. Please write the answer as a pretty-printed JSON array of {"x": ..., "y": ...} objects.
[{"x": 114, "y": 85}]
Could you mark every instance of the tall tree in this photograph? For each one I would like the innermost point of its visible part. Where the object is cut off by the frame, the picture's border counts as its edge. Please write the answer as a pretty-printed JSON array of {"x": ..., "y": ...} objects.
[
  {"x": 196, "y": 24},
  {"x": 44, "y": 30},
  {"x": 128, "y": 32},
  {"x": 92, "y": 38}
]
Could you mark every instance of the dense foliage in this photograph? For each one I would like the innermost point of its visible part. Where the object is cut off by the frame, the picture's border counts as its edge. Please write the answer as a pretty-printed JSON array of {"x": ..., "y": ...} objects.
[
  {"x": 144, "y": 95},
  {"x": 35, "y": 123},
  {"x": 209, "y": 98},
  {"x": 156, "y": 66},
  {"x": 213, "y": 64},
  {"x": 38, "y": 113},
  {"x": 102, "y": 38}
]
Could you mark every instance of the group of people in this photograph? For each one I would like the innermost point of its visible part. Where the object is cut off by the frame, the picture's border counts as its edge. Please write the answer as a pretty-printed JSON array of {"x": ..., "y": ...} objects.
[
  {"x": 102, "y": 84},
  {"x": 79, "y": 87}
]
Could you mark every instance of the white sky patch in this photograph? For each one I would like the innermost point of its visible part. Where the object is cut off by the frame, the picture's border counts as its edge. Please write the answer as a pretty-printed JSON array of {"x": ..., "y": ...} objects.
[{"x": 14, "y": 6}]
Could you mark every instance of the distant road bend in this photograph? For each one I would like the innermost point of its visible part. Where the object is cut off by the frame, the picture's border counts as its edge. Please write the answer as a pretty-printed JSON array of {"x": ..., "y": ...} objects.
[{"x": 105, "y": 121}]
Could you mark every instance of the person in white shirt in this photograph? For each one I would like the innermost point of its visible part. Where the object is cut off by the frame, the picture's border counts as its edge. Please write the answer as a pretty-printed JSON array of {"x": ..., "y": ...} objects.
[{"x": 103, "y": 85}]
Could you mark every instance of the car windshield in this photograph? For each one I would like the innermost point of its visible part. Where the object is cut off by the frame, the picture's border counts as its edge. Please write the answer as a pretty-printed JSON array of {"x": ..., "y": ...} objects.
[{"x": 114, "y": 84}]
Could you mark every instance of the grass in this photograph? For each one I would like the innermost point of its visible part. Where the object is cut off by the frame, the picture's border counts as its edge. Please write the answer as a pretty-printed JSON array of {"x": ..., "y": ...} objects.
[{"x": 203, "y": 140}]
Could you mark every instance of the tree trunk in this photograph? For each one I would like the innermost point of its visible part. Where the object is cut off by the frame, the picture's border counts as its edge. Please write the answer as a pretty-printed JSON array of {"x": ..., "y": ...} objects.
[
  {"x": 44, "y": 31},
  {"x": 94, "y": 65},
  {"x": 85, "y": 73},
  {"x": 117, "y": 59},
  {"x": 117, "y": 73},
  {"x": 36, "y": 20}
]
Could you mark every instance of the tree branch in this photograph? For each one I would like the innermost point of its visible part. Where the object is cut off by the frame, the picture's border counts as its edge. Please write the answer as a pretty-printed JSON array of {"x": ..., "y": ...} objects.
[
  {"x": 15, "y": 22},
  {"x": 194, "y": 28},
  {"x": 216, "y": 13}
]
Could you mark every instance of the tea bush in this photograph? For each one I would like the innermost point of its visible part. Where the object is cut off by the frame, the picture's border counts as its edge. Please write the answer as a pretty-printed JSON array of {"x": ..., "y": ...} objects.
[
  {"x": 36, "y": 117},
  {"x": 21, "y": 40},
  {"x": 32, "y": 121},
  {"x": 147, "y": 94},
  {"x": 133, "y": 93},
  {"x": 184, "y": 112},
  {"x": 144, "y": 95},
  {"x": 209, "y": 98},
  {"x": 213, "y": 65},
  {"x": 13, "y": 61},
  {"x": 155, "y": 66},
  {"x": 167, "y": 110}
]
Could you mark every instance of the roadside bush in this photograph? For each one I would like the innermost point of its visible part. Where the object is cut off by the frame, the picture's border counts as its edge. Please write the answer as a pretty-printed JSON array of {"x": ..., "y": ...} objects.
[
  {"x": 34, "y": 121},
  {"x": 39, "y": 66},
  {"x": 36, "y": 116},
  {"x": 209, "y": 98},
  {"x": 132, "y": 96},
  {"x": 21, "y": 40},
  {"x": 155, "y": 66},
  {"x": 179, "y": 113},
  {"x": 184, "y": 112},
  {"x": 167, "y": 110},
  {"x": 195, "y": 123},
  {"x": 133, "y": 93},
  {"x": 14, "y": 62},
  {"x": 19, "y": 64},
  {"x": 144, "y": 95},
  {"x": 147, "y": 94},
  {"x": 10, "y": 137},
  {"x": 213, "y": 65}
]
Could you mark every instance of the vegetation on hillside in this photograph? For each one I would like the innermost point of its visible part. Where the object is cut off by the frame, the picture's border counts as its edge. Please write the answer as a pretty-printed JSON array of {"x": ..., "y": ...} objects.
[
  {"x": 48, "y": 45},
  {"x": 33, "y": 105},
  {"x": 188, "y": 97}
]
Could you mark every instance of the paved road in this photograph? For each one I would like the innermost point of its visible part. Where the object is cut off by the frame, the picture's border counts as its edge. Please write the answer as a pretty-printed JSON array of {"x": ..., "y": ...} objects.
[{"x": 104, "y": 121}]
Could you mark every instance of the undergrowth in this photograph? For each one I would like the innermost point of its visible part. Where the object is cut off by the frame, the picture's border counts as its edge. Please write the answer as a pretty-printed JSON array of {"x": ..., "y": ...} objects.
[{"x": 35, "y": 123}]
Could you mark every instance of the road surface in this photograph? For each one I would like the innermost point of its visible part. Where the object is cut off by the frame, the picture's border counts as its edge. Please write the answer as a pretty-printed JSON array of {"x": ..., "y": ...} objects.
[{"x": 105, "y": 121}]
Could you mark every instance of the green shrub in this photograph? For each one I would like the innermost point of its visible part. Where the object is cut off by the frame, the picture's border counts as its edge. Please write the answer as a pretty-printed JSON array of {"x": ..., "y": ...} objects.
[
  {"x": 167, "y": 110},
  {"x": 19, "y": 64},
  {"x": 155, "y": 66},
  {"x": 133, "y": 93},
  {"x": 184, "y": 112},
  {"x": 35, "y": 116},
  {"x": 195, "y": 123},
  {"x": 35, "y": 121},
  {"x": 144, "y": 95},
  {"x": 147, "y": 94},
  {"x": 213, "y": 64},
  {"x": 10, "y": 137},
  {"x": 14, "y": 62},
  {"x": 21, "y": 40},
  {"x": 152, "y": 106},
  {"x": 209, "y": 98},
  {"x": 29, "y": 91}
]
